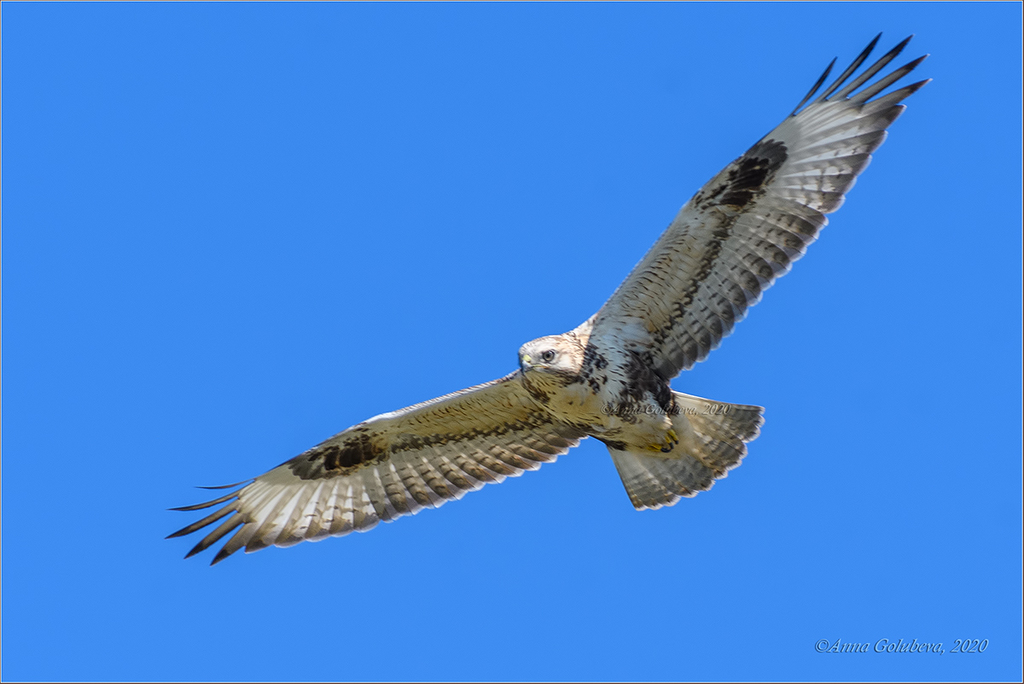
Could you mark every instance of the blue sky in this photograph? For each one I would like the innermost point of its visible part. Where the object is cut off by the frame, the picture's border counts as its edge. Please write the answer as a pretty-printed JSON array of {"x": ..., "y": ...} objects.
[{"x": 232, "y": 230}]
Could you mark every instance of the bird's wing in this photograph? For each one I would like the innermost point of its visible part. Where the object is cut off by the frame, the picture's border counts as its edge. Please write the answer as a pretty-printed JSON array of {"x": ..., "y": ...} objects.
[
  {"x": 747, "y": 225},
  {"x": 392, "y": 465}
]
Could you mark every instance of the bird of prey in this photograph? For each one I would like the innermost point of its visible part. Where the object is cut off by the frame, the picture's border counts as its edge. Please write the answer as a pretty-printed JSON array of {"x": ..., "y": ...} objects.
[{"x": 608, "y": 378}]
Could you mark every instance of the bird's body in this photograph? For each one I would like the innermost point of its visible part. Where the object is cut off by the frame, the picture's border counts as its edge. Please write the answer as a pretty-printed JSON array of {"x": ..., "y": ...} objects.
[
  {"x": 612, "y": 397},
  {"x": 609, "y": 377}
]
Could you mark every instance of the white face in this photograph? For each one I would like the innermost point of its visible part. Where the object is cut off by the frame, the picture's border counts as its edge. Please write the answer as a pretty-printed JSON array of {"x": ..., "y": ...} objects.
[{"x": 553, "y": 354}]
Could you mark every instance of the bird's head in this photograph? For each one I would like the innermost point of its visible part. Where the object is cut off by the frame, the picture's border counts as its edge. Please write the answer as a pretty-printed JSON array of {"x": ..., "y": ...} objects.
[{"x": 553, "y": 361}]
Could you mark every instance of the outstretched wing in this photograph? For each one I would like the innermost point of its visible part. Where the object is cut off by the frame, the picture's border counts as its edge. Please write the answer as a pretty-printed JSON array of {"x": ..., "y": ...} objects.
[
  {"x": 392, "y": 465},
  {"x": 747, "y": 225}
]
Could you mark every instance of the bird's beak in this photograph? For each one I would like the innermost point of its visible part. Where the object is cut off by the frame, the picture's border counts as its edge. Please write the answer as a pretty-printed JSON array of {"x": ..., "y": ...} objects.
[{"x": 524, "y": 361}]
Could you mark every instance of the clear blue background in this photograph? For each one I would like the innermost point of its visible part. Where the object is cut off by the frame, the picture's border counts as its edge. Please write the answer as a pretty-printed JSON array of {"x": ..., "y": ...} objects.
[{"x": 233, "y": 230}]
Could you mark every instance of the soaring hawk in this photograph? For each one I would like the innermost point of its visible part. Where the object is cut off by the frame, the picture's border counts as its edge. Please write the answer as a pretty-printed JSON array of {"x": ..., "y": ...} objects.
[{"x": 608, "y": 378}]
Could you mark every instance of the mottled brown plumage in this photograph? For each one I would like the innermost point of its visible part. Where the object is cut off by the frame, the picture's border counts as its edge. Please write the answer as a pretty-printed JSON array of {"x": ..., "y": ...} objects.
[{"x": 608, "y": 378}]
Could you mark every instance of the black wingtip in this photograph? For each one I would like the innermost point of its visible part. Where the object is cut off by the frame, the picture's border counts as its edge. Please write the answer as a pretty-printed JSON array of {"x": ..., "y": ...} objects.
[
  {"x": 213, "y": 537},
  {"x": 195, "y": 549},
  {"x": 219, "y": 557},
  {"x": 227, "y": 486},
  {"x": 877, "y": 87},
  {"x": 910, "y": 66},
  {"x": 850, "y": 70},
  {"x": 871, "y": 46},
  {"x": 814, "y": 89},
  {"x": 208, "y": 520},
  {"x": 848, "y": 91},
  {"x": 207, "y": 504},
  {"x": 902, "y": 44},
  {"x": 914, "y": 87},
  {"x": 188, "y": 529}
]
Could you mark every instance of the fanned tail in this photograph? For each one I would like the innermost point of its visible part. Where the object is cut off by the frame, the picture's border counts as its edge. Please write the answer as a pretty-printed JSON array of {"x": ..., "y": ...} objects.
[{"x": 715, "y": 436}]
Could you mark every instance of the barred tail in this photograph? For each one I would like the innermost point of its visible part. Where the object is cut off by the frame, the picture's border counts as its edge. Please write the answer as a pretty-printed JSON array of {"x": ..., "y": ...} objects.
[{"x": 714, "y": 441}]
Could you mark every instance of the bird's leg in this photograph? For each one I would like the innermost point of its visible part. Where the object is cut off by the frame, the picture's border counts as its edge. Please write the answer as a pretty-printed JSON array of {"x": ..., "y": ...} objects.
[{"x": 671, "y": 439}]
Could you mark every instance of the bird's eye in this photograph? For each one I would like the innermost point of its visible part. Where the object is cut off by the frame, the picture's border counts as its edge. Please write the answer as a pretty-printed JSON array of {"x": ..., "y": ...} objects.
[{"x": 548, "y": 356}]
